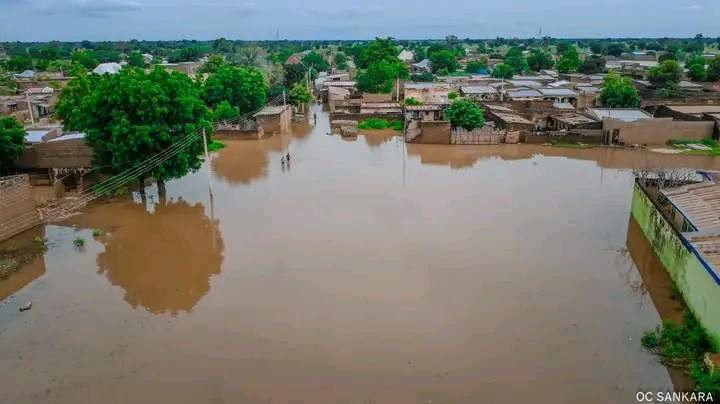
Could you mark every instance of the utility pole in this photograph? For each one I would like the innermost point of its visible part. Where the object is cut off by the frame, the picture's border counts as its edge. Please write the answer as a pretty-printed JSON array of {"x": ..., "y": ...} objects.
[
  {"x": 29, "y": 106},
  {"x": 502, "y": 89},
  {"x": 207, "y": 160},
  {"x": 285, "y": 113}
]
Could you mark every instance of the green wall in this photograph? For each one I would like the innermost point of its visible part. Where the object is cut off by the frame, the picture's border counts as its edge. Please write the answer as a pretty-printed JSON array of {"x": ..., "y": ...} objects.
[{"x": 699, "y": 289}]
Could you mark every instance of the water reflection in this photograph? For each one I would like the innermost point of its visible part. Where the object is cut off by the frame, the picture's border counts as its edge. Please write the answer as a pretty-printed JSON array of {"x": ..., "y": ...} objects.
[
  {"x": 30, "y": 270},
  {"x": 162, "y": 259},
  {"x": 376, "y": 138},
  {"x": 244, "y": 161},
  {"x": 466, "y": 156}
]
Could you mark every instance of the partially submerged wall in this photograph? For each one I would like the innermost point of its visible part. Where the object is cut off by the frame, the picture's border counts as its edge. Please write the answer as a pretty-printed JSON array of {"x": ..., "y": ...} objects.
[
  {"x": 586, "y": 136},
  {"x": 433, "y": 132},
  {"x": 658, "y": 130},
  {"x": 17, "y": 206},
  {"x": 691, "y": 274}
]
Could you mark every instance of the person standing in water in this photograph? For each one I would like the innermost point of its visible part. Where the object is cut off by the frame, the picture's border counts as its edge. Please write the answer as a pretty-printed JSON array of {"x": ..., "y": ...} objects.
[
  {"x": 288, "y": 157},
  {"x": 282, "y": 161}
]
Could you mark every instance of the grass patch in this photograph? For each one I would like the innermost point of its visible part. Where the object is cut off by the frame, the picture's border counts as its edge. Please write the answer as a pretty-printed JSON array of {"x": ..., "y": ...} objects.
[
  {"x": 380, "y": 124},
  {"x": 712, "y": 143},
  {"x": 79, "y": 242},
  {"x": 13, "y": 259},
  {"x": 216, "y": 145},
  {"x": 576, "y": 145},
  {"x": 683, "y": 347}
]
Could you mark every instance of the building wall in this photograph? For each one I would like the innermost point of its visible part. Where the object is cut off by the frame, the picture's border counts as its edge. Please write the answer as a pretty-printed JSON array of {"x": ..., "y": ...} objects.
[
  {"x": 658, "y": 131},
  {"x": 279, "y": 123},
  {"x": 588, "y": 137},
  {"x": 699, "y": 289},
  {"x": 371, "y": 97},
  {"x": 434, "y": 132},
  {"x": 17, "y": 206},
  {"x": 230, "y": 134},
  {"x": 362, "y": 117},
  {"x": 60, "y": 154}
]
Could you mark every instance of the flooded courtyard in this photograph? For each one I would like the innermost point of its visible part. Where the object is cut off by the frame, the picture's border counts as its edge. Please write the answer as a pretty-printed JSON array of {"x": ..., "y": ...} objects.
[{"x": 366, "y": 271}]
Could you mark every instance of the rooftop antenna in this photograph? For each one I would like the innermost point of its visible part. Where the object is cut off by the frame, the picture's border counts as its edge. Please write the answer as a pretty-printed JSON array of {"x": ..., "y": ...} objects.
[
  {"x": 540, "y": 32},
  {"x": 277, "y": 35}
]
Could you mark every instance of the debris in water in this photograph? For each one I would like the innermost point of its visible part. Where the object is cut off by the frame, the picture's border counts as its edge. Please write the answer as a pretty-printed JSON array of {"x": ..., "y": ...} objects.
[{"x": 26, "y": 307}]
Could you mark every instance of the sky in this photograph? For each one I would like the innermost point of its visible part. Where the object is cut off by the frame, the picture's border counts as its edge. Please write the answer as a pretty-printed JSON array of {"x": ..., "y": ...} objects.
[{"x": 97, "y": 20}]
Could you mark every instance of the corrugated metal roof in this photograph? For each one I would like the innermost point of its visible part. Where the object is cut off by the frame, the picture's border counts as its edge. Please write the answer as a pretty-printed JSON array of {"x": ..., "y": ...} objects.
[
  {"x": 525, "y": 83},
  {"x": 478, "y": 90},
  {"x": 69, "y": 136},
  {"x": 588, "y": 89},
  {"x": 695, "y": 109},
  {"x": 423, "y": 107},
  {"x": 557, "y": 92},
  {"x": 561, "y": 83},
  {"x": 707, "y": 245},
  {"x": 271, "y": 110},
  {"x": 572, "y": 118},
  {"x": 35, "y": 136},
  {"x": 425, "y": 86},
  {"x": 627, "y": 115},
  {"x": 498, "y": 108},
  {"x": 339, "y": 83},
  {"x": 524, "y": 94},
  {"x": 699, "y": 203},
  {"x": 512, "y": 118}
]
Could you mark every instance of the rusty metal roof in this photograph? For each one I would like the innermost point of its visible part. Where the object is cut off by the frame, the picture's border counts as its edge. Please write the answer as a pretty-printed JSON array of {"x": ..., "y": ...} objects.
[
  {"x": 699, "y": 203},
  {"x": 707, "y": 246}
]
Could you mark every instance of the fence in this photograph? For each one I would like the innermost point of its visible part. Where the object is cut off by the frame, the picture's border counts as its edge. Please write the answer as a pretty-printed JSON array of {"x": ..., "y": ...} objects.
[
  {"x": 16, "y": 200},
  {"x": 477, "y": 136}
]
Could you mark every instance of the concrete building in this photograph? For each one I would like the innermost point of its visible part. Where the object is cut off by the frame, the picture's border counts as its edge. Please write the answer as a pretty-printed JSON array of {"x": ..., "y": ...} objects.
[{"x": 275, "y": 120}]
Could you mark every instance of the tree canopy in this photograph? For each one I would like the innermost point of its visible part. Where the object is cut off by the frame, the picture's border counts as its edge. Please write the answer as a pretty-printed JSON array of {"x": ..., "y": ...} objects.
[
  {"x": 593, "y": 64},
  {"x": 316, "y": 61},
  {"x": 378, "y": 78},
  {"x": 514, "y": 59},
  {"x": 213, "y": 64},
  {"x": 294, "y": 73},
  {"x": 242, "y": 87},
  {"x": 136, "y": 59},
  {"x": 570, "y": 61},
  {"x": 619, "y": 92},
  {"x": 444, "y": 59},
  {"x": 131, "y": 116},
  {"x": 300, "y": 95},
  {"x": 666, "y": 74},
  {"x": 475, "y": 66},
  {"x": 503, "y": 71},
  {"x": 465, "y": 114},
  {"x": 68, "y": 107},
  {"x": 12, "y": 141},
  {"x": 539, "y": 60},
  {"x": 225, "y": 112}
]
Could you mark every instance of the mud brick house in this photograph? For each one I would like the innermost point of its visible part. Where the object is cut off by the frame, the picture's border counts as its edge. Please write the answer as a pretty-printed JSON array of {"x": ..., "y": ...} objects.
[
  {"x": 275, "y": 120},
  {"x": 683, "y": 112},
  {"x": 424, "y": 112},
  {"x": 480, "y": 93},
  {"x": 572, "y": 120}
]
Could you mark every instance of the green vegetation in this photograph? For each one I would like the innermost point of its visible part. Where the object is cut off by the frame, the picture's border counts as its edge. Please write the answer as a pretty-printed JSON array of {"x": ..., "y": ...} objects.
[
  {"x": 516, "y": 61},
  {"x": 465, "y": 114},
  {"x": 475, "y": 66},
  {"x": 216, "y": 145},
  {"x": 242, "y": 87},
  {"x": 379, "y": 124},
  {"x": 712, "y": 143},
  {"x": 452, "y": 96},
  {"x": 666, "y": 77},
  {"x": 96, "y": 233},
  {"x": 383, "y": 67},
  {"x": 444, "y": 59},
  {"x": 539, "y": 60},
  {"x": 12, "y": 140},
  {"x": 575, "y": 145},
  {"x": 300, "y": 95},
  {"x": 503, "y": 71},
  {"x": 570, "y": 61},
  {"x": 412, "y": 101},
  {"x": 619, "y": 92},
  {"x": 79, "y": 242},
  {"x": 225, "y": 112},
  {"x": 683, "y": 347}
]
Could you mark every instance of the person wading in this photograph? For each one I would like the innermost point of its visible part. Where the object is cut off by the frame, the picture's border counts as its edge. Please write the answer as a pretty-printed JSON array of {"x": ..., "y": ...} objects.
[{"x": 288, "y": 157}]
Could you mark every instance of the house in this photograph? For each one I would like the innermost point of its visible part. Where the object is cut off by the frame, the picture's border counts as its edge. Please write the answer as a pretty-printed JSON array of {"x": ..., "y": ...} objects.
[
  {"x": 541, "y": 78},
  {"x": 524, "y": 83},
  {"x": 559, "y": 83},
  {"x": 690, "y": 86},
  {"x": 622, "y": 114},
  {"x": 420, "y": 67},
  {"x": 406, "y": 56},
  {"x": 571, "y": 120},
  {"x": 148, "y": 58},
  {"x": 683, "y": 112},
  {"x": 189, "y": 68},
  {"x": 429, "y": 93},
  {"x": 560, "y": 95},
  {"x": 715, "y": 119},
  {"x": 425, "y": 112},
  {"x": 480, "y": 93},
  {"x": 506, "y": 118},
  {"x": 275, "y": 120},
  {"x": 38, "y": 101},
  {"x": 107, "y": 68},
  {"x": 292, "y": 60},
  {"x": 523, "y": 95},
  {"x": 683, "y": 229},
  {"x": 27, "y": 74},
  {"x": 55, "y": 150}
]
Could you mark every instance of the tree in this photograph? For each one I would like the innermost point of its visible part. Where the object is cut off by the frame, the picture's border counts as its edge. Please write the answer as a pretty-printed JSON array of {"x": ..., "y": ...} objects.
[
  {"x": 251, "y": 56},
  {"x": 695, "y": 59},
  {"x": 381, "y": 49},
  {"x": 563, "y": 47},
  {"x": 294, "y": 73},
  {"x": 713, "y": 69},
  {"x": 443, "y": 60},
  {"x": 515, "y": 59},
  {"x": 539, "y": 60},
  {"x": 225, "y": 112},
  {"x": 569, "y": 62},
  {"x": 316, "y": 61},
  {"x": 615, "y": 49},
  {"x": 136, "y": 59},
  {"x": 666, "y": 74},
  {"x": 619, "y": 92},
  {"x": 19, "y": 63},
  {"x": 274, "y": 75},
  {"x": 697, "y": 72},
  {"x": 465, "y": 114},
  {"x": 597, "y": 48},
  {"x": 340, "y": 58},
  {"x": 503, "y": 71},
  {"x": 475, "y": 66},
  {"x": 667, "y": 56},
  {"x": 300, "y": 95},
  {"x": 242, "y": 87},
  {"x": 12, "y": 141},
  {"x": 378, "y": 78},
  {"x": 131, "y": 116},
  {"x": 68, "y": 107},
  {"x": 593, "y": 64},
  {"x": 412, "y": 101},
  {"x": 419, "y": 55},
  {"x": 213, "y": 64}
]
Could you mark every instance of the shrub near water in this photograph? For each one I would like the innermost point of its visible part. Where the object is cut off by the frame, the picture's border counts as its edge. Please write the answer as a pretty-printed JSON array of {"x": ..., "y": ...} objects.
[{"x": 380, "y": 124}]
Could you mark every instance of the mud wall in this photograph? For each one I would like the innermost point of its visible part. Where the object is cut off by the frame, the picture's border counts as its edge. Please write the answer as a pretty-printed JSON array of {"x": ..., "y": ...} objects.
[
  {"x": 590, "y": 137},
  {"x": 17, "y": 206},
  {"x": 434, "y": 132},
  {"x": 231, "y": 134},
  {"x": 63, "y": 154},
  {"x": 659, "y": 130},
  {"x": 686, "y": 268},
  {"x": 363, "y": 117}
]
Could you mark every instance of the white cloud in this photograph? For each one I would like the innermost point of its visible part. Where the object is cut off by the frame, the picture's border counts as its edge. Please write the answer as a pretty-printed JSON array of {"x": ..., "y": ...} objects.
[{"x": 693, "y": 7}]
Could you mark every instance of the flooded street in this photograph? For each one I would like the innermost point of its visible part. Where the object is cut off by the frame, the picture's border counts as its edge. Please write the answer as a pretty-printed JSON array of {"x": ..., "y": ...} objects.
[{"x": 364, "y": 272}]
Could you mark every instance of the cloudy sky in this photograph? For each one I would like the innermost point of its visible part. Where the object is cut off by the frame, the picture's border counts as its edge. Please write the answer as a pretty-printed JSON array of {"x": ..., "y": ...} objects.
[{"x": 75, "y": 20}]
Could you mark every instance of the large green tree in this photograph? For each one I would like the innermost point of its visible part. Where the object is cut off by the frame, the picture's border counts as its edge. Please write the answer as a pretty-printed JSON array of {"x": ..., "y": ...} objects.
[
  {"x": 300, "y": 95},
  {"x": 213, "y": 64},
  {"x": 12, "y": 140},
  {"x": 665, "y": 75},
  {"x": 19, "y": 63},
  {"x": 295, "y": 73},
  {"x": 570, "y": 61},
  {"x": 539, "y": 60},
  {"x": 378, "y": 78},
  {"x": 515, "y": 59},
  {"x": 131, "y": 116},
  {"x": 475, "y": 66},
  {"x": 619, "y": 92},
  {"x": 243, "y": 87},
  {"x": 317, "y": 61},
  {"x": 67, "y": 109},
  {"x": 380, "y": 49},
  {"x": 136, "y": 59},
  {"x": 503, "y": 71},
  {"x": 713, "y": 69},
  {"x": 444, "y": 59},
  {"x": 465, "y": 114}
]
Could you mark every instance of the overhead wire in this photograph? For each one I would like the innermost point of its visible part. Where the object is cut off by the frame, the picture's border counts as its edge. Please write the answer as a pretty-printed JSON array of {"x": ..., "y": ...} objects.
[{"x": 30, "y": 219}]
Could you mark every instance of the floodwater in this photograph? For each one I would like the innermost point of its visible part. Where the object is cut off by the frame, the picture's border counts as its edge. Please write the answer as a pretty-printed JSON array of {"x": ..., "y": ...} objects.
[{"x": 363, "y": 272}]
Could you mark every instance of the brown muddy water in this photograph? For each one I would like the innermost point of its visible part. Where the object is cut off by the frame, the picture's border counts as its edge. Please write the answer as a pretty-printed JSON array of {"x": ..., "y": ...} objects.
[{"x": 360, "y": 273}]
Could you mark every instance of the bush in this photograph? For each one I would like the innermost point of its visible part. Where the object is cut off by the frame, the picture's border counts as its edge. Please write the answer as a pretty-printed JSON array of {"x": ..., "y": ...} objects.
[
  {"x": 413, "y": 101},
  {"x": 398, "y": 125},
  {"x": 452, "y": 96},
  {"x": 373, "y": 123}
]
